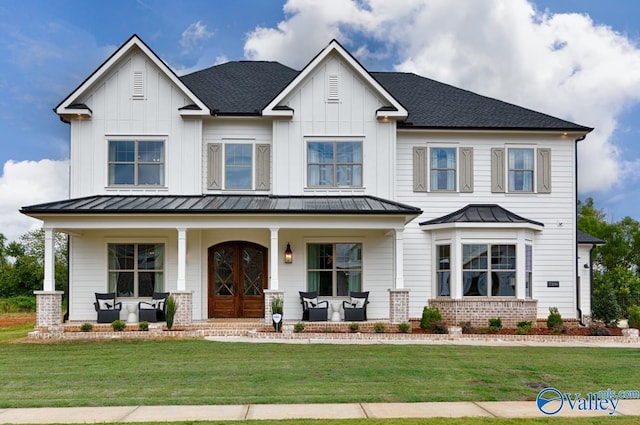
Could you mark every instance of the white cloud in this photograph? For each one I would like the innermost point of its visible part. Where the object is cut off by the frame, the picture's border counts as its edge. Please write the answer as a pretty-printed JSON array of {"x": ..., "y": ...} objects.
[
  {"x": 561, "y": 64},
  {"x": 193, "y": 35},
  {"x": 27, "y": 183}
]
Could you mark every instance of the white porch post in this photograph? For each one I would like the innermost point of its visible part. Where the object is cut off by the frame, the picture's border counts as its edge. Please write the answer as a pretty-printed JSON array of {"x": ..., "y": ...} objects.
[
  {"x": 399, "y": 258},
  {"x": 182, "y": 260},
  {"x": 273, "y": 263},
  {"x": 49, "y": 260}
]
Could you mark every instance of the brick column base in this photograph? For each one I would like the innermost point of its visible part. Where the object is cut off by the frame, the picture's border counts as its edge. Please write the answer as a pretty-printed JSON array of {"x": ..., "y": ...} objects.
[
  {"x": 398, "y": 305},
  {"x": 184, "y": 312},
  {"x": 48, "y": 308},
  {"x": 270, "y": 294}
]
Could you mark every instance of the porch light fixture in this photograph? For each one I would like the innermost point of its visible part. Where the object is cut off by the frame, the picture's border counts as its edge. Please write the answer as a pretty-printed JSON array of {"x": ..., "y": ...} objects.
[{"x": 288, "y": 254}]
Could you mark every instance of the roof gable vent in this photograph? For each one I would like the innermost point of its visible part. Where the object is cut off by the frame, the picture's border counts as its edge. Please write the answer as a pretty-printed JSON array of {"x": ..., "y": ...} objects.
[
  {"x": 333, "y": 88},
  {"x": 137, "y": 87}
]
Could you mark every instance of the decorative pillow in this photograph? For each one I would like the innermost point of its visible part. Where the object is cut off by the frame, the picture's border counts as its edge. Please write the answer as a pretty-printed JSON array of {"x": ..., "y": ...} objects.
[
  {"x": 357, "y": 302},
  {"x": 159, "y": 303},
  {"x": 105, "y": 305},
  {"x": 147, "y": 305},
  {"x": 310, "y": 302}
]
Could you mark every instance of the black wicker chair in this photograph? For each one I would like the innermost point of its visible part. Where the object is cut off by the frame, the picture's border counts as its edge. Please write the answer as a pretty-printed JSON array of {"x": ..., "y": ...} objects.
[
  {"x": 355, "y": 309},
  {"x": 312, "y": 309},
  {"x": 107, "y": 308},
  {"x": 153, "y": 311}
]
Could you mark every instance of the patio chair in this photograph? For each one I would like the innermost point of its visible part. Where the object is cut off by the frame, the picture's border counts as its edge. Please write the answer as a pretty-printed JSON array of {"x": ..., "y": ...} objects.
[
  {"x": 355, "y": 309},
  {"x": 153, "y": 311},
  {"x": 107, "y": 308},
  {"x": 312, "y": 309}
]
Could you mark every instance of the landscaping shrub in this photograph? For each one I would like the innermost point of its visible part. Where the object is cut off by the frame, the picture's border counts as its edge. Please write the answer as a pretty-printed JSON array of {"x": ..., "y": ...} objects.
[
  {"x": 495, "y": 324},
  {"x": 466, "y": 327},
  {"x": 524, "y": 328},
  {"x": 298, "y": 327},
  {"x": 430, "y": 315},
  {"x": 143, "y": 326},
  {"x": 86, "y": 327},
  {"x": 606, "y": 309},
  {"x": 379, "y": 328},
  {"x": 598, "y": 331},
  {"x": 439, "y": 327},
  {"x": 170, "y": 307},
  {"x": 118, "y": 325},
  {"x": 554, "y": 320},
  {"x": 404, "y": 327},
  {"x": 633, "y": 317},
  {"x": 354, "y": 327}
]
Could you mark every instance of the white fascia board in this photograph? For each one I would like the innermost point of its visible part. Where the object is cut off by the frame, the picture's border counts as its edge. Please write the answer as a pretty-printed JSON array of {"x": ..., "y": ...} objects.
[
  {"x": 449, "y": 226},
  {"x": 334, "y": 46},
  {"x": 134, "y": 41},
  {"x": 278, "y": 113},
  {"x": 84, "y": 112}
]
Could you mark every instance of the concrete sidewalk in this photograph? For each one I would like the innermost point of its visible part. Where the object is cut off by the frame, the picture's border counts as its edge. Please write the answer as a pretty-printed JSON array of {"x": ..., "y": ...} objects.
[{"x": 125, "y": 414}]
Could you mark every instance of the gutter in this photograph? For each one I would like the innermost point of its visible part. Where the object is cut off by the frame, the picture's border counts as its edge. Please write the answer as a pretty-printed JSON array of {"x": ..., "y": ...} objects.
[{"x": 575, "y": 235}]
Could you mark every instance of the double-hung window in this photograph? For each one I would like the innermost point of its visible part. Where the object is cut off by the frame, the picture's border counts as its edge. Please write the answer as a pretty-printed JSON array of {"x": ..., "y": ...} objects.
[
  {"x": 489, "y": 270},
  {"x": 443, "y": 169},
  {"x": 334, "y": 164},
  {"x": 334, "y": 269},
  {"x": 521, "y": 167},
  {"x": 443, "y": 270},
  {"x": 136, "y": 162},
  {"x": 238, "y": 165},
  {"x": 136, "y": 270}
]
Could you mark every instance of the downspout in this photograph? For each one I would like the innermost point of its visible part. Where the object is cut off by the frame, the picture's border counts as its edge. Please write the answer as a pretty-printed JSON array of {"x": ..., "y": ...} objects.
[{"x": 575, "y": 232}]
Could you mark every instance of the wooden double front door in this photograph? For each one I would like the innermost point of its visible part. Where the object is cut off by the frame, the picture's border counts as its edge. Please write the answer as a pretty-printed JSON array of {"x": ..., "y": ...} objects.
[{"x": 237, "y": 280}]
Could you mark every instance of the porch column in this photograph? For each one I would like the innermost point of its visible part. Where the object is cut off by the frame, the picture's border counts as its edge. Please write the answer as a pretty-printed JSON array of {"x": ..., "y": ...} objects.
[
  {"x": 49, "y": 260},
  {"x": 399, "y": 258},
  {"x": 273, "y": 262},
  {"x": 182, "y": 260},
  {"x": 48, "y": 301}
]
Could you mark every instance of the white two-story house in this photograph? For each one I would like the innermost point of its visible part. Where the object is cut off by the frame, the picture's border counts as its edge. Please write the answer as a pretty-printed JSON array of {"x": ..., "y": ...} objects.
[{"x": 415, "y": 191}]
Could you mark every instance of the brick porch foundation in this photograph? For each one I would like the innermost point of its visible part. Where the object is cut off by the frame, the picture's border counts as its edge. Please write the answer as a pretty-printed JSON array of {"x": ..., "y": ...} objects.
[{"x": 479, "y": 311}]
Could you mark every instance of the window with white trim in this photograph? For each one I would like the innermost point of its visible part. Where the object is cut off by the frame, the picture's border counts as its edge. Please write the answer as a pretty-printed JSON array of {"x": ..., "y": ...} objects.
[
  {"x": 334, "y": 164},
  {"x": 443, "y": 270},
  {"x": 521, "y": 168},
  {"x": 488, "y": 270},
  {"x": 334, "y": 269},
  {"x": 136, "y": 162},
  {"x": 528, "y": 271},
  {"x": 135, "y": 270},
  {"x": 238, "y": 165},
  {"x": 443, "y": 169}
]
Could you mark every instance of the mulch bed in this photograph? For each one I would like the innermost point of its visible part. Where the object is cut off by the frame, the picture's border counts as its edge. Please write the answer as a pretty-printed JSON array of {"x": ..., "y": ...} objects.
[
  {"x": 575, "y": 331},
  {"x": 15, "y": 320}
]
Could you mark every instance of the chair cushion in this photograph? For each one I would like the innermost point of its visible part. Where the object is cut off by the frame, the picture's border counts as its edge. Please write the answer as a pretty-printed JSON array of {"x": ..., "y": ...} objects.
[
  {"x": 310, "y": 302},
  {"x": 357, "y": 302},
  {"x": 105, "y": 304}
]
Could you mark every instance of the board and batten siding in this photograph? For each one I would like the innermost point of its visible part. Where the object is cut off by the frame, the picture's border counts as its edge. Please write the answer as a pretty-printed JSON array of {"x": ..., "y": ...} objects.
[
  {"x": 117, "y": 112},
  {"x": 554, "y": 249},
  {"x": 350, "y": 116}
]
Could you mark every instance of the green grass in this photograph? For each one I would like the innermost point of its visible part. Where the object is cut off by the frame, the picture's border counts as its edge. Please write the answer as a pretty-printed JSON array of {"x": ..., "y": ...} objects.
[
  {"x": 202, "y": 372},
  {"x": 15, "y": 333}
]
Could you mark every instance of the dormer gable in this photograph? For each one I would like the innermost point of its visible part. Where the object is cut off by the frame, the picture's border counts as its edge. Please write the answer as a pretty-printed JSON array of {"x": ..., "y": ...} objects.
[
  {"x": 73, "y": 106},
  {"x": 391, "y": 109}
]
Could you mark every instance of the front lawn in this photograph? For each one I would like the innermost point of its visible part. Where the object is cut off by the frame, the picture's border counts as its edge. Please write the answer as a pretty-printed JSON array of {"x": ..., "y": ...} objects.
[{"x": 92, "y": 373}]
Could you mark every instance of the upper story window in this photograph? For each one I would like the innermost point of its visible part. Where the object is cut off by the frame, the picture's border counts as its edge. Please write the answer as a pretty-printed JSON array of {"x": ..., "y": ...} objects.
[
  {"x": 136, "y": 162},
  {"x": 238, "y": 166},
  {"x": 334, "y": 164},
  {"x": 443, "y": 169},
  {"x": 521, "y": 167}
]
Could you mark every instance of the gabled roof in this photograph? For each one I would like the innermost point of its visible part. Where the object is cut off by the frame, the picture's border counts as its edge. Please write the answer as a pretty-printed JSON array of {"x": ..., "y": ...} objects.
[
  {"x": 69, "y": 105},
  {"x": 483, "y": 214},
  {"x": 223, "y": 204},
  {"x": 586, "y": 238}
]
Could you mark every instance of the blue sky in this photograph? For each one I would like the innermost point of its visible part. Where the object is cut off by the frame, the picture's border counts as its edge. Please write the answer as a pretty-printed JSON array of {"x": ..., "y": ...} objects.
[{"x": 576, "y": 59}]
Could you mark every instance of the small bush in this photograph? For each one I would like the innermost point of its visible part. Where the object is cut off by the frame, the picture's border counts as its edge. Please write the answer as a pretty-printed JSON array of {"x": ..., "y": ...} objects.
[
  {"x": 495, "y": 324},
  {"x": 599, "y": 331},
  {"x": 379, "y": 328},
  {"x": 404, "y": 327},
  {"x": 633, "y": 318},
  {"x": 143, "y": 326},
  {"x": 554, "y": 319},
  {"x": 430, "y": 315},
  {"x": 298, "y": 327},
  {"x": 118, "y": 325},
  {"x": 86, "y": 327},
  {"x": 524, "y": 328},
  {"x": 606, "y": 309},
  {"x": 170, "y": 308},
  {"x": 466, "y": 327},
  {"x": 439, "y": 327},
  {"x": 354, "y": 327}
]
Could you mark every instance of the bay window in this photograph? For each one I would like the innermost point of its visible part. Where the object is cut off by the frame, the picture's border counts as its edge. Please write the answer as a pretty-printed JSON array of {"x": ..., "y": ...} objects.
[
  {"x": 489, "y": 270},
  {"x": 443, "y": 270}
]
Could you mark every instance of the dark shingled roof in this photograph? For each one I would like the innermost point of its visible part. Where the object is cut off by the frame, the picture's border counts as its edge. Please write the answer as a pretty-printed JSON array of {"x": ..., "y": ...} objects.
[
  {"x": 481, "y": 213},
  {"x": 223, "y": 204},
  {"x": 246, "y": 88},
  {"x": 588, "y": 239}
]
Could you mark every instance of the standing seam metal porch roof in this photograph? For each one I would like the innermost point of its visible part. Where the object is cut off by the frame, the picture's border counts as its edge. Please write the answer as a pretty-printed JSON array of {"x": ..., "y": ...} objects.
[
  {"x": 223, "y": 204},
  {"x": 481, "y": 213}
]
